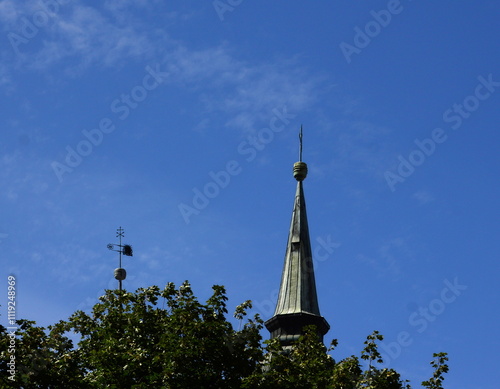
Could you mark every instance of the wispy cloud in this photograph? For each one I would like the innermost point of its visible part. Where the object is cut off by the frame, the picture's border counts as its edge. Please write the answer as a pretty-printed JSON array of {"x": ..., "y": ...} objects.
[
  {"x": 87, "y": 34},
  {"x": 245, "y": 92},
  {"x": 357, "y": 146},
  {"x": 156, "y": 257},
  {"x": 9, "y": 12},
  {"x": 80, "y": 36},
  {"x": 121, "y": 5},
  {"x": 389, "y": 257},
  {"x": 4, "y": 75},
  {"x": 71, "y": 31},
  {"x": 68, "y": 263},
  {"x": 22, "y": 173},
  {"x": 364, "y": 144},
  {"x": 423, "y": 197}
]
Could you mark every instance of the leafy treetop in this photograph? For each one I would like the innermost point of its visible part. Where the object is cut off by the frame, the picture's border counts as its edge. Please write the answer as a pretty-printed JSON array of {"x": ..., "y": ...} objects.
[{"x": 166, "y": 338}]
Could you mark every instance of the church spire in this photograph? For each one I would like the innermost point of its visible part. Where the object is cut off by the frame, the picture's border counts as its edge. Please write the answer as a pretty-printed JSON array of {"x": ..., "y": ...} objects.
[{"x": 297, "y": 304}]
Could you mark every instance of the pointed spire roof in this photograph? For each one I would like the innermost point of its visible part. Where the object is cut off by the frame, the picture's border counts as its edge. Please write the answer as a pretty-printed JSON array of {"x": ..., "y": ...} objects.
[
  {"x": 297, "y": 304},
  {"x": 298, "y": 286}
]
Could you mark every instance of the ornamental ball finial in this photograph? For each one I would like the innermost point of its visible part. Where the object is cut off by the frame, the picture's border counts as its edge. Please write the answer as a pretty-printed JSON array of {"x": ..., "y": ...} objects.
[
  {"x": 300, "y": 171},
  {"x": 120, "y": 273}
]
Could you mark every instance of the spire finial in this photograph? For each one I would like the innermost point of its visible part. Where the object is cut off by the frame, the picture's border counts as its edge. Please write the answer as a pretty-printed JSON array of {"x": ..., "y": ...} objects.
[
  {"x": 300, "y": 168},
  {"x": 300, "y": 141}
]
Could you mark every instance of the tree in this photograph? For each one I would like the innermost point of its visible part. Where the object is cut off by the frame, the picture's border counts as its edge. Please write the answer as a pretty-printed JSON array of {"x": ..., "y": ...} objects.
[
  {"x": 43, "y": 359},
  {"x": 305, "y": 365},
  {"x": 167, "y": 339},
  {"x": 129, "y": 341}
]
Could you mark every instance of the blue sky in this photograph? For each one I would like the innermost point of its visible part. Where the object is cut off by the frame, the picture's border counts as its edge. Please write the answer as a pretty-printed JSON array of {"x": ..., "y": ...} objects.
[{"x": 179, "y": 123}]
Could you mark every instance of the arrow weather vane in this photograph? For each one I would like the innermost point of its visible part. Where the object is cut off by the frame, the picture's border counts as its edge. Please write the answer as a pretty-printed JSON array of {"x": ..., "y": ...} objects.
[{"x": 125, "y": 249}]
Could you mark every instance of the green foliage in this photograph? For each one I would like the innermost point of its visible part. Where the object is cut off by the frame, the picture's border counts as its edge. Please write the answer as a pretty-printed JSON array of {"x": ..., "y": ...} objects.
[
  {"x": 166, "y": 338},
  {"x": 374, "y": 378},
  {"x": 440, "y": 367},
  {"x": 43, "y": 358},
  {"x": 370, "y": 352},
  {"x": 131, "y": 342},
  {"x": 305, "y": 365},
  {"x": 349, "y": 375}
]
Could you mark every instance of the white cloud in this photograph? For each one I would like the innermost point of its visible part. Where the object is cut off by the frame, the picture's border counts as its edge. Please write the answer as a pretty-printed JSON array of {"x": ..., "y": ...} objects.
[
  {"x": 246, "y": 92},
  {"x": 119, "y": 5},
  {"x": 389, "y": 258},
  {"x": 4, "y": 78},
  {"x": 423, "y": 197},
  {"x": 22, "y": 173},
  {"x": 9, "y": 12},
  {"x": 80, "y": 36},
  {"x": 157, "y": 257},
  {"x": 88, "y": 35},
  {"x": 70, "y": 31},
  {"x": 357, "y": 146}
]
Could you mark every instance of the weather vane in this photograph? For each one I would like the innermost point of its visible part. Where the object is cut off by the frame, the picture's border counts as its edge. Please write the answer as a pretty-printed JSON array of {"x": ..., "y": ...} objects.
[{"x": 125, "y": 249}]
